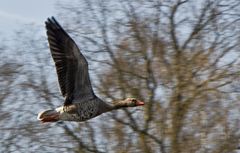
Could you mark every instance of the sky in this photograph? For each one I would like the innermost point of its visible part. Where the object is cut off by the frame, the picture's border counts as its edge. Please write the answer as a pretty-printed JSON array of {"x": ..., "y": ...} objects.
[{"x": 16, "y": 13}]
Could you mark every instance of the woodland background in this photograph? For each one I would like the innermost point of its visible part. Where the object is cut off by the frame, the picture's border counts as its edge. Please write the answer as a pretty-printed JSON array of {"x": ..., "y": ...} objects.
[{"x": 181, "y": 57}]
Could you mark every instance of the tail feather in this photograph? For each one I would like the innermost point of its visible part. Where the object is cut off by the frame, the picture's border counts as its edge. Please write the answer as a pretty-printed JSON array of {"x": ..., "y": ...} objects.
[{"x": 48, "y": 116}]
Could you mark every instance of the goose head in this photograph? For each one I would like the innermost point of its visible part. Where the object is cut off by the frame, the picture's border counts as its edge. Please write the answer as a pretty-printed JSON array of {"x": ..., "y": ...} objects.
[
  {"x": 129, "y": 102},
  {"x": 133, "y": 102}
]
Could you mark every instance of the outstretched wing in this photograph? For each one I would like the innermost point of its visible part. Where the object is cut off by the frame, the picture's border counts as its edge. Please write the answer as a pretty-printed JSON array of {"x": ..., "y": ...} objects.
[{"x": 71, "y": 66}]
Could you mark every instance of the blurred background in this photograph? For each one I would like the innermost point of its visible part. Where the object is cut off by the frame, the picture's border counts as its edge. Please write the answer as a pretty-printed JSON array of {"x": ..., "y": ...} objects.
[{"x": 181, "y": 57}]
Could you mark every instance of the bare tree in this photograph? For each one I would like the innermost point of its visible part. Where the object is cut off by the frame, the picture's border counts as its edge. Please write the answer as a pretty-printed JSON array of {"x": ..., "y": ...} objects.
[{"x": 180, "y": 57}]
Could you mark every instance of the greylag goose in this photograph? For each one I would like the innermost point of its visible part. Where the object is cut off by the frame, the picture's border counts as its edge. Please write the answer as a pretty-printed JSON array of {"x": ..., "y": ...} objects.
[{"x": 80, "y": 102}]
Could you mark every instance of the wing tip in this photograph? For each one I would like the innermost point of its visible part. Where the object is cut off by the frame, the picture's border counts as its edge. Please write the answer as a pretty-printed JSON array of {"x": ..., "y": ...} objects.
[{"x": 52, "y": 22}]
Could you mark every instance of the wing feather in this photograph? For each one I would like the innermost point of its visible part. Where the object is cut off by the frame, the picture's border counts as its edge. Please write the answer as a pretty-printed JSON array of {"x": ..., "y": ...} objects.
[{"x": 71, "y": 65}]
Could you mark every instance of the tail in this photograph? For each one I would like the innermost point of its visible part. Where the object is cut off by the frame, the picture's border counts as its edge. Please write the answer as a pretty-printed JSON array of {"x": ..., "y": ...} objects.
[{"x": 48, "y": 116}]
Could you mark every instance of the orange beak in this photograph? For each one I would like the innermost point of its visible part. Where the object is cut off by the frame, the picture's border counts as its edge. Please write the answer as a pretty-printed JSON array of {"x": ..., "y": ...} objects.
[{"x": 140, "y": 103}]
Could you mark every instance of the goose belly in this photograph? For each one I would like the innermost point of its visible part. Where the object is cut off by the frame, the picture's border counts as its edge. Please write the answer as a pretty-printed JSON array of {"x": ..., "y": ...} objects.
[
  {"x": 79, "y": 111},
  {"x": 86, "y": 111}
]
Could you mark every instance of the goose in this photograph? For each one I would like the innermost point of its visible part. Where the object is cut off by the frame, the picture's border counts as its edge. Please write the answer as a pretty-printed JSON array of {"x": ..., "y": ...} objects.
[{"x": 80, "y": 102}]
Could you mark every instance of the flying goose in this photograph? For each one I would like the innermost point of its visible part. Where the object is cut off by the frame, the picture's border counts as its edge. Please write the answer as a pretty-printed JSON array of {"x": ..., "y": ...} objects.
[{"x": 80, "y": 103}]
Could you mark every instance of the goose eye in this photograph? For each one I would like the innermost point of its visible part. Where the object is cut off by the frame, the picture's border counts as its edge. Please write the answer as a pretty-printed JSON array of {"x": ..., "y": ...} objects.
[{"x": 134, "y": 100}]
